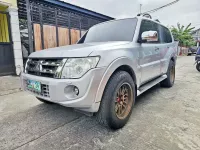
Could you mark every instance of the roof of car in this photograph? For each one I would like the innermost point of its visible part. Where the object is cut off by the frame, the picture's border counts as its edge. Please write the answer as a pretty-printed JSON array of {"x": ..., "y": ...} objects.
[
  {"x": 145, "y": 18},
  {"x": 138, "y": 17}
]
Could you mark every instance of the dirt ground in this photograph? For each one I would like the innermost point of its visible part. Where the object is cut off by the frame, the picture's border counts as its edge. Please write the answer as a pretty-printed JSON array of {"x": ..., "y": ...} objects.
[{"x": 162, "y": 119}]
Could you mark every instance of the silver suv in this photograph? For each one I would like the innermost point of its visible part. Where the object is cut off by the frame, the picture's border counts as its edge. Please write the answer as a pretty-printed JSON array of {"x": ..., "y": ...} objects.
[{"x": 112, "y": 64}]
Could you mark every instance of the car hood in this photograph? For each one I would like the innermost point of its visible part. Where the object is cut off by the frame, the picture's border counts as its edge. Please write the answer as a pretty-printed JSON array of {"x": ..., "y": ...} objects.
[{"x": 77, "y": 50}]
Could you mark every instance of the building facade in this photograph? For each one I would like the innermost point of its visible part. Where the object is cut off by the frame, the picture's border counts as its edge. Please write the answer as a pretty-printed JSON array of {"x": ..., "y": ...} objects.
[
  {"x": 27, "y": 26},
  {"x": 196, "y": 36},
  {"x": 10, "y": 42}
]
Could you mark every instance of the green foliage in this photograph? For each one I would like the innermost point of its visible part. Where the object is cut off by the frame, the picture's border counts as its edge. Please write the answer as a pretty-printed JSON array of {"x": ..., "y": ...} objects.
[{"x": 183, "y": 35}]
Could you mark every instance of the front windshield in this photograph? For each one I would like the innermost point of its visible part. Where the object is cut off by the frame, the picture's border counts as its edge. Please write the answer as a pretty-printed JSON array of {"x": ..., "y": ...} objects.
[{"x": 119, "y": 30}]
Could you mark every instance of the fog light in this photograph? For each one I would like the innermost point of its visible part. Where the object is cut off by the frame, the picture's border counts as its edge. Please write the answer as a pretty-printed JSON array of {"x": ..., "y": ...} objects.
[
  {"x": 71, "y": 91},
  {"x": 76, "y": 90}
]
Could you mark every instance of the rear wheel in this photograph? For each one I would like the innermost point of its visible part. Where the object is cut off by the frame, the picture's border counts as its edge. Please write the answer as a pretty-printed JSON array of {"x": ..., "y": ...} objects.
[
  {"x": 44, "y": 101},
  {"x": 169, "y": 82},
  {"x": 198, "y": 67},
  {"x": 117, "y": 101}
]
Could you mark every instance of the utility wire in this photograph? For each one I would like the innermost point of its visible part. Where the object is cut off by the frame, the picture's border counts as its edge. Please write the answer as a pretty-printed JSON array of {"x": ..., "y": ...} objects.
[{"x": 154, "y": 10}]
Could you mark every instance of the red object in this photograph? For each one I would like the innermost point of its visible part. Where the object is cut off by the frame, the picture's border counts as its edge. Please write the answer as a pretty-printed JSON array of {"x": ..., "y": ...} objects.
[
  {"x": 180, "y": 52},
  {"x": 118, "y": 100}
]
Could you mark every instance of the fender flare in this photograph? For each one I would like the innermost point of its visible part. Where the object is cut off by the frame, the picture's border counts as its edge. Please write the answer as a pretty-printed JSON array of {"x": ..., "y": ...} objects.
[
  {"x": 110, "y": 70},
  {"x": 173, "y": 57}
]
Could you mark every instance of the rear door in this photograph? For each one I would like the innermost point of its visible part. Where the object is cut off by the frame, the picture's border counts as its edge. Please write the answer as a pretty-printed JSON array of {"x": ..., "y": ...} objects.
[
  {"x": 166, "y": 48},
  {"x": 149, "y": 54}
]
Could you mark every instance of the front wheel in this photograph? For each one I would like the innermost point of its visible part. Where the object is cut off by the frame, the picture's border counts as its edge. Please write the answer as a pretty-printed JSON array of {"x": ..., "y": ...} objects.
[
  {"x": 117, "y": 101},
  {"x": 198, "y": 66},
  {"x": 169, "y": 82}
]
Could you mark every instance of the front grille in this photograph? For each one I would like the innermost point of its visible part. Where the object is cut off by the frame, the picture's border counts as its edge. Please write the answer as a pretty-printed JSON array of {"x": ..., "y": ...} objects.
[
  {"x": 43, "y": 67},
  {"x": 44, "y": 90}
]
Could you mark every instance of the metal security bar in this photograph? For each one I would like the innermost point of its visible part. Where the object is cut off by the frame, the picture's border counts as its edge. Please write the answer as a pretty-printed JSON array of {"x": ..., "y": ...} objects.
[{"x": 44, "y": 18}]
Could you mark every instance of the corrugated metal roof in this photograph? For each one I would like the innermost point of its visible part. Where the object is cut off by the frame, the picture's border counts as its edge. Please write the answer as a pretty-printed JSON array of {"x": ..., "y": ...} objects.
[{"x": 79, "y": 9}]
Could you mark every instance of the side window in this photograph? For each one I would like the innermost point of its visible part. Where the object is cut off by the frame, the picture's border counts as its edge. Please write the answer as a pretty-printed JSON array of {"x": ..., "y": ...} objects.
[
  {"x": 156, "y": 28},
  {"x": 147, "y": 25},
  {"x": 169, "y": 36},
  {"x": 166, "y": 35}
]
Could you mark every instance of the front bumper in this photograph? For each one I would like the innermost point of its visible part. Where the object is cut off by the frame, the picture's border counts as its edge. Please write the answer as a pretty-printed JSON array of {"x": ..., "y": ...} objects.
[{"x": 55, "y": 89}]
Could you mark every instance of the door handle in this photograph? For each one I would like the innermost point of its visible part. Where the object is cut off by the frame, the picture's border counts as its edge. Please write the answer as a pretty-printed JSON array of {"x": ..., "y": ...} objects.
[{"x": 157, "y": 49}]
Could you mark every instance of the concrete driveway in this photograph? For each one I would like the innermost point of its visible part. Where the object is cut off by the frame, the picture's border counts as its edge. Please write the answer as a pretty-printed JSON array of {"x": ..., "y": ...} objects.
[{"x": 165, "y": 119}]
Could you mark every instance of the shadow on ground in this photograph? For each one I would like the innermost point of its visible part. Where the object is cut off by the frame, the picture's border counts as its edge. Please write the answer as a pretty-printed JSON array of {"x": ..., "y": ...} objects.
[{"x": 44, "y": 119}]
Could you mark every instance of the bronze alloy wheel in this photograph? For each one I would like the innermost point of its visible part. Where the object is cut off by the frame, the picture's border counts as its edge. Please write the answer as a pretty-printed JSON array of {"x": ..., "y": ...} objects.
[
  {"x": 172, "y": 74},
  {"x": 124, "y": 101}
]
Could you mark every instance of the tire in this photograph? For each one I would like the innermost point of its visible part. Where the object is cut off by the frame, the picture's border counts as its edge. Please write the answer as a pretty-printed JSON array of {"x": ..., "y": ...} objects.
[
  {"x": 108, "y": 114},
  {"x": 169, "y": 82},
  {"x": 198, "y": 67},
  {"x": 44, "y": 101}
]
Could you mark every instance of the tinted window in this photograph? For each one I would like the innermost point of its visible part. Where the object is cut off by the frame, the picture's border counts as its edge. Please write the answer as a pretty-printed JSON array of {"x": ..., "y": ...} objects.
[
  {"x": 147, "y": 25},
  {"x": 120, "y": 30},
  {"x": 165, "y": 35}
]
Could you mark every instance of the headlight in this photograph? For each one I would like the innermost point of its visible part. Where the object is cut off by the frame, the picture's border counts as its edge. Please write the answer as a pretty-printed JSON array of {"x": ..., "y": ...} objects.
[{"x": 77, "y": 67}]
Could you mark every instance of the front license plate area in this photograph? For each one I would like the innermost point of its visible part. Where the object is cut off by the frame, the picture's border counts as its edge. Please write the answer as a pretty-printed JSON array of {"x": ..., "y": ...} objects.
[{"x": 34, "y": 85}]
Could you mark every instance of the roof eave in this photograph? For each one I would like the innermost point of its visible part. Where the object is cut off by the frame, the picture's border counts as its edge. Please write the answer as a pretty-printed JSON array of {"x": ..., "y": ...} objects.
[{"x": 79, "y": 9}]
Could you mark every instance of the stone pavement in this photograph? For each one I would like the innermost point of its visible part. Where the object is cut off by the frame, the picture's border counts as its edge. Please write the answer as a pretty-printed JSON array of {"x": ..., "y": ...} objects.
[
  {"x": 162, "y": 119},
  {"x": 9, "y": 84}
]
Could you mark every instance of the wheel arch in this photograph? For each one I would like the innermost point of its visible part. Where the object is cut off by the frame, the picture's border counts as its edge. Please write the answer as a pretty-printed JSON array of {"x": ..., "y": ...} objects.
[
  {"x": 128, "y": 69},
  {"x": 120, "y": 64},
  {"x": 173, "y": 59}
]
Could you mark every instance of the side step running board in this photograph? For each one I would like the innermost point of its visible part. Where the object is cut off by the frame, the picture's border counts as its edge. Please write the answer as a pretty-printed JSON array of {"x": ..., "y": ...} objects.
[{"x": 149, "y": 85}]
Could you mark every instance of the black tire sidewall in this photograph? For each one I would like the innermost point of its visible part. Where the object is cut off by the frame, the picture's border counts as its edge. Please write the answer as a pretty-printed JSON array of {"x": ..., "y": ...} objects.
[
  {"x": 116, "y": 83},
  {"x": 167, "y": 82},
  {"x": 171, "y": 64},
  {"x": 198, "y": 67}
]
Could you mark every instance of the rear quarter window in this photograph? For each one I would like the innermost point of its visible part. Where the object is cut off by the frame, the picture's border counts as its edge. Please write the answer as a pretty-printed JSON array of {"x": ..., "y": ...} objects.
[{"x": 166, "y": 36}]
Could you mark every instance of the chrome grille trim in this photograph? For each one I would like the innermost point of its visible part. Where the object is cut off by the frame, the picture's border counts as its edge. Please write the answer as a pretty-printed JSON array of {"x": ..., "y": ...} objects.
[{"x": 43, "y": 67}]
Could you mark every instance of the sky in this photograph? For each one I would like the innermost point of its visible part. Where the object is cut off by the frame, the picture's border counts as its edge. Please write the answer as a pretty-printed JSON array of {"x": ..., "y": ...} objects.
[{"x": 184, "y": 11}]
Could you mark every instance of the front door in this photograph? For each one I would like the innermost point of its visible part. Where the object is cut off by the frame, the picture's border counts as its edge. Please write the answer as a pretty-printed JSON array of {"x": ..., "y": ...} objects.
[
  {"x": 149, "y": 62},
  {"x": 149, "y": 54},
  {"x": 6, "y": 49}
]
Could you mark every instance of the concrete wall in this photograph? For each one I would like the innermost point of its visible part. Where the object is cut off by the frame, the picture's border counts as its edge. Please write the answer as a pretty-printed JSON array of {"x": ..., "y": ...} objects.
[
  {"x": 11, "y": 7},
  {"x": 14, "y": 20}
]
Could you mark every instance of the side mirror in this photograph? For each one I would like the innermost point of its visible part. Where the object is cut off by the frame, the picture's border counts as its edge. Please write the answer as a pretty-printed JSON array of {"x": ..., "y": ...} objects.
[{"x": 149, "y": 36}]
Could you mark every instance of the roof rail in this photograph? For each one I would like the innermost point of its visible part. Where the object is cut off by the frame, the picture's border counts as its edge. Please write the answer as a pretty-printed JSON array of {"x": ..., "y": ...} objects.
[
  {"x": 145, "y": 15},
  {"x": 157, "y": 20}
]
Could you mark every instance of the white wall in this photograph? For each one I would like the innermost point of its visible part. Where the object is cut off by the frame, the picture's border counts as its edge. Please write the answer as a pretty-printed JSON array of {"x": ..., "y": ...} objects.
[{"x": 15, "y": 32}]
